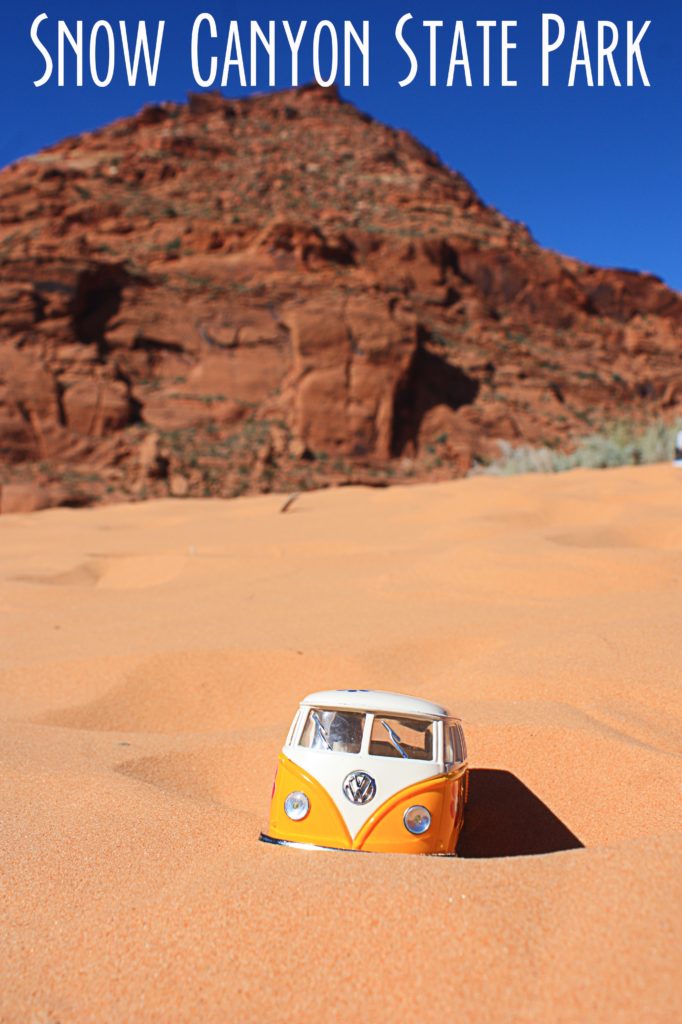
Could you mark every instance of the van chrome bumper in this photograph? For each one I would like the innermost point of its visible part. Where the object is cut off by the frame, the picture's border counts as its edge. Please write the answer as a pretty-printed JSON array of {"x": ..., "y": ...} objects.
[{"x": 265, "y": 838}]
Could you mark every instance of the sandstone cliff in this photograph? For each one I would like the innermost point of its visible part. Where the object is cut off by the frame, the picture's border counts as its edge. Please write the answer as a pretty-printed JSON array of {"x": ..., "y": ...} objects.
[{"x": 279, "y": 292}]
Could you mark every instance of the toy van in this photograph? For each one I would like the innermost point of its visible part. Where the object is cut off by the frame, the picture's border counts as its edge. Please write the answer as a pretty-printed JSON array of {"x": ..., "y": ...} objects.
[{"x": 372, "y": 771}]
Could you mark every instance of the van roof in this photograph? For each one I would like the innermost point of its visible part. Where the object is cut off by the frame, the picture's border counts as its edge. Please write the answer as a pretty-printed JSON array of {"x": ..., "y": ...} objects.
[{"x": 375, "y": 700}]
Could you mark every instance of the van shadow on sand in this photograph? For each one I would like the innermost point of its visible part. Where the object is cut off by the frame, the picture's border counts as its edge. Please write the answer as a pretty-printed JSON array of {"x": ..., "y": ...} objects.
[{"x": 504, "y": 818}]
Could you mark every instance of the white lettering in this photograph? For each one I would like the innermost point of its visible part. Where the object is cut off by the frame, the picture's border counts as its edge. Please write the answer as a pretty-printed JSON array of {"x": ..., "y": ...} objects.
[
  {"x": 233, "y": 43},
  {"x": 295, "y": 44},
  {"x": 142, "y": 46},
  {"x": 506, "y": 47},
  {"x": 94, "y": 71},
  {"x": 414, "y": 65},
  {"x": 76, "y": 45},
  {"x": 198, "y": 78},
  {"x": 45, "y": 53},
  {"x": 433, "y": 27},
  {"x": 635, "y": 54},
  {"x": 486, "y": 26},
  {"x": 547, "y": 46},
  {"x": 580, "y": 46},
  {"x": 269, "y": 47},
  {"x": 334, "y": 63},
  {"x": 351, "y": 35},
  {"x": 606, "y": 52},
  {"x": 459, "y": 43}
]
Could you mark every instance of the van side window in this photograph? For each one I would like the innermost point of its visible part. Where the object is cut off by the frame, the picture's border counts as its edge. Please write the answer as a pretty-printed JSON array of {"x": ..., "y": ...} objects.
[
  {"x": 449, "y": 741},
  {"x": 460, "y": 745}
]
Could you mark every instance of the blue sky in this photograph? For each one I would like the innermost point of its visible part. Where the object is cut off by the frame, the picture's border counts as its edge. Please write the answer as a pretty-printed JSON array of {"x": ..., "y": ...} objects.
[{"x": 595, "y": 173}]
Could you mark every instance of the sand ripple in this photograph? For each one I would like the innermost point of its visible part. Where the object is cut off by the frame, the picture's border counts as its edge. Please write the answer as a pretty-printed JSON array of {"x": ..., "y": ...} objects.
[{"x": 152, "y": 658}]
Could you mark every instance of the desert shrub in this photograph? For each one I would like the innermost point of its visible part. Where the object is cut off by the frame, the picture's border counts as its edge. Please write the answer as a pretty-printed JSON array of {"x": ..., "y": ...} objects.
[{"x": 621, "y": 444}]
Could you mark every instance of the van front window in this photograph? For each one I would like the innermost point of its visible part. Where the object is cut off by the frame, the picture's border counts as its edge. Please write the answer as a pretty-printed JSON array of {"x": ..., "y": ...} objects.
[
  {"x": 338, "y": 731},
  {"x": 409, "y": 738}
]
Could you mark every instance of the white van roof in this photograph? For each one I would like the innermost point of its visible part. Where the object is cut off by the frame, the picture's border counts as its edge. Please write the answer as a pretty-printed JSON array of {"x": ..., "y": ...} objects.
[{"x": 375, "y": 700}]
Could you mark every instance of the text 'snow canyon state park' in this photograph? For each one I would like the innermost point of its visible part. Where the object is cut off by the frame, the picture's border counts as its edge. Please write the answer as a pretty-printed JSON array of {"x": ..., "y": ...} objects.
[{"x": 279, "y": 292}]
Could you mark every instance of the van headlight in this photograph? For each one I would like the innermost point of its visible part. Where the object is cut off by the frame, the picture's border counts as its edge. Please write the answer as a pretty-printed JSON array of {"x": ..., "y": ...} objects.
[
  {"x": 417, "y": 820},
  {"x": 296, "y": 806}
]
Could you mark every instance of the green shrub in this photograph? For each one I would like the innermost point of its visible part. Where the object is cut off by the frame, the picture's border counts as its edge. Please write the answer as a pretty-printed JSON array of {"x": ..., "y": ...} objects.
[{"x": 621, "y": 444}]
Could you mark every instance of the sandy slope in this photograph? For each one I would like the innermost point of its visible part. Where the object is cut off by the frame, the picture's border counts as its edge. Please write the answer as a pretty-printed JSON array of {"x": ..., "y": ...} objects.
[{"x": 152, "y": 657}]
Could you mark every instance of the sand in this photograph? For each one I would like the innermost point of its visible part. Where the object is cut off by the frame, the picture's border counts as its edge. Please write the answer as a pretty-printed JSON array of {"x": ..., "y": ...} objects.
[{"x": 152, "y": 658}]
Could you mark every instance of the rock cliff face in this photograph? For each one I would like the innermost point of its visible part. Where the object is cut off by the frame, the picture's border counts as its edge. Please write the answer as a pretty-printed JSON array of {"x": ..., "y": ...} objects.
[{"x": 279, "y": 292}]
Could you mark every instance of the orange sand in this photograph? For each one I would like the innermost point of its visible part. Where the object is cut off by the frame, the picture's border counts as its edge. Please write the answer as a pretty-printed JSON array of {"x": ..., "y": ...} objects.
[{"x": 151, "y": 661}]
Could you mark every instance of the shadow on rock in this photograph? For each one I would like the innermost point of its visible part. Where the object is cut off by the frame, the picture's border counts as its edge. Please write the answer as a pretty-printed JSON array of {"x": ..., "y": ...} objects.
[{"x": 504, "y": 818}]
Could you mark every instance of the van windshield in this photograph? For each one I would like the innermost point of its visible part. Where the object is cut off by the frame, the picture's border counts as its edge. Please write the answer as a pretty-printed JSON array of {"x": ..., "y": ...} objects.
[
  {"x": 409, "y": 738},
  {"x": 333, "y": 730}
]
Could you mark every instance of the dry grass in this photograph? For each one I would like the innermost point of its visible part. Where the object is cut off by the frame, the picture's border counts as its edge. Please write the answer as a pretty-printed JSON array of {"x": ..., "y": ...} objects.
[{"x": 622, "y": 444}]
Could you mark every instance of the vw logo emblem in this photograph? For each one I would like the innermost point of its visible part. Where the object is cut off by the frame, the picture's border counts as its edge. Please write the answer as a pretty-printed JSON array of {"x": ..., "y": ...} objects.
[{"x": 359, "y": 787}]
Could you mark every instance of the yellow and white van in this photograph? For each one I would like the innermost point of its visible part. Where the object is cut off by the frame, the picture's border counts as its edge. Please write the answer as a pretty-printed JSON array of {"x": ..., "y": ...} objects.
[{"x": 373, "y": 771}]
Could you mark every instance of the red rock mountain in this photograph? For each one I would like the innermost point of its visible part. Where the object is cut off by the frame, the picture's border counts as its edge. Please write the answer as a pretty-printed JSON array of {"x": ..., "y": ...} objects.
[{"x": 279, "y": 292}]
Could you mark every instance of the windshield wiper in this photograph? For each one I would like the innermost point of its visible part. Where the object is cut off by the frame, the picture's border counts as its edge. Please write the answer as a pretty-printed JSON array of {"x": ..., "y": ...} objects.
[
  {"x": 321, "y": 730},
  {"x": 394, "y": 738}
]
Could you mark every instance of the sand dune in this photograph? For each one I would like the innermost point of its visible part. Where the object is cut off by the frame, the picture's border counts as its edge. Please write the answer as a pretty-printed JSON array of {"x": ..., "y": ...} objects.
[{"x": 152, "y": 657}]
